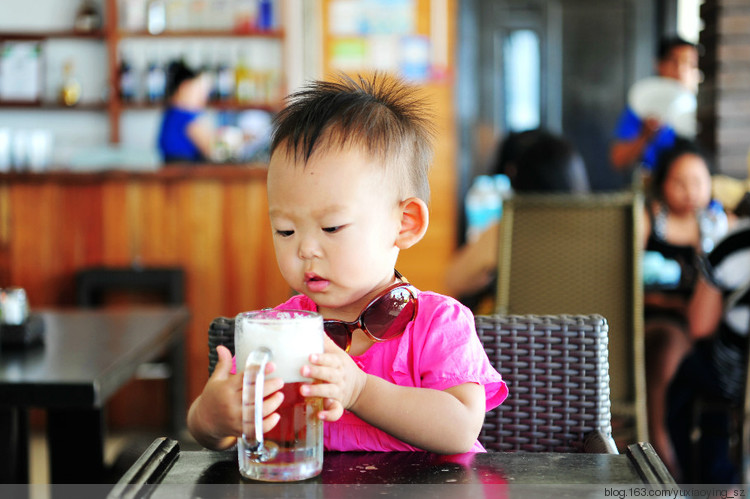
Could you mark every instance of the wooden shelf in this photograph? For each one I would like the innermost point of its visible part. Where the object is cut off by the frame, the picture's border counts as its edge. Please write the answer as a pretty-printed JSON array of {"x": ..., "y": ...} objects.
[
  {"x": 44, "y": 35},
  {"x": 111, "y": 35},
  {"x": 51, "y": 106},
  {"x": 220, "y": 106},
  {"x": 277, "y": 34}
]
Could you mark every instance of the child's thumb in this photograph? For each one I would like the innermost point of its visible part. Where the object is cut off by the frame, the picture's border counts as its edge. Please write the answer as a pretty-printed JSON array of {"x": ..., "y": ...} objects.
[{"x": 224, "y": 365}]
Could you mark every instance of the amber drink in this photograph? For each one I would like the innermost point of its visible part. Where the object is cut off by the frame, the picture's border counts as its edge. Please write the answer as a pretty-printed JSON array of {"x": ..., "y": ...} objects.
[{"x": 293, "y": 449}]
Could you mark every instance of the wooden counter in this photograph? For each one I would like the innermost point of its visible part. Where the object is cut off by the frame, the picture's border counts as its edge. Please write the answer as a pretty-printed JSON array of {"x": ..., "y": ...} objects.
[{"x": 210, "y": 220}]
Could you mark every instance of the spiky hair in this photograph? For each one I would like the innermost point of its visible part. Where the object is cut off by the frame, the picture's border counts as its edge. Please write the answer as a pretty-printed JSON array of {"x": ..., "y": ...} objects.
[{"x": 381, "y": 114}]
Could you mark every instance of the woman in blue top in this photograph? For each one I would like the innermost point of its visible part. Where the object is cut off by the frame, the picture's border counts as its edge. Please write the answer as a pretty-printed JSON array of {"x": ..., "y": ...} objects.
[{"x": 184, "y": 136}]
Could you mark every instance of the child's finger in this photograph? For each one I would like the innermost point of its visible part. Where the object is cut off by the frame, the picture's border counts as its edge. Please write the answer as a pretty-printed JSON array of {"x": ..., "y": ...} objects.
[
  {"x": 224, "y": 364},
  {"x": 271, "y": 404},
  {"x": 272, "y": 385},
  {"x": 270, "y": 422},
  {"x": 323, "y": 390},
  {"x": 332, "y": 410}
]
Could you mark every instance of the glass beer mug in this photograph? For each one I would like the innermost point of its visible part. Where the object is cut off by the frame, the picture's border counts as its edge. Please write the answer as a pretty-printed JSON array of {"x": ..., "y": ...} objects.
[{"x": 293, "y": 449}]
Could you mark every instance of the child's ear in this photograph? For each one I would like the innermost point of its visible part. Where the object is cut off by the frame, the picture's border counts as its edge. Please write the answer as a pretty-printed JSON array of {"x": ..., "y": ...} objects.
[{"x": 415, "y": 217}]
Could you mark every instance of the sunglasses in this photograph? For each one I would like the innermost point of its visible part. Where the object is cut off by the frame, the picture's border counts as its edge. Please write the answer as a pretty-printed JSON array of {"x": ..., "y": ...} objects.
[{"x": 383, "y": 319}]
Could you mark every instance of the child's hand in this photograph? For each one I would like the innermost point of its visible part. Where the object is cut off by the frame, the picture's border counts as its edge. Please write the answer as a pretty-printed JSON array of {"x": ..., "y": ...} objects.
[
  {"x": 215, "y": 418},
  {"x": 341, "y": 380}
]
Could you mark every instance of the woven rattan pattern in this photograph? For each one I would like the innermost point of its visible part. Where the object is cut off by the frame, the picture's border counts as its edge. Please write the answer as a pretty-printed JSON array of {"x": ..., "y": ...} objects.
[
  {"x": 557, "y": 373},
  {"x": 220, "y": 332}
]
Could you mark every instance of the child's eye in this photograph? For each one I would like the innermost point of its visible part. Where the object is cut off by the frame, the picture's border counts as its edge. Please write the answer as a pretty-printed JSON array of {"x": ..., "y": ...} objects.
[
  {"x": 333, "y": 230},
  {"x": 284, "y": 233}
]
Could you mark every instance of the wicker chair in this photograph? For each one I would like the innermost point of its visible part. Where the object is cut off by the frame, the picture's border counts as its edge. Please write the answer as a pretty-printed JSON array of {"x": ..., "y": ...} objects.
[
  {"x": 581, "y": 254},
  {"x": 557, "y": 372}
]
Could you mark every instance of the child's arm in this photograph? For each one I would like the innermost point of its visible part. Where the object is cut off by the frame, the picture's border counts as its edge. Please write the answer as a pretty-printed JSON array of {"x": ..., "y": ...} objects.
[
  {"x": 446, "y": 421},
  {"x": 215, "y": 417}
]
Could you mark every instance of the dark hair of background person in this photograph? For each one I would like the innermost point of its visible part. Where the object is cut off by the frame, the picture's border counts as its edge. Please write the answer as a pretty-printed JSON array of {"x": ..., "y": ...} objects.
[
  {"x": 668, "y": 43},
  {"x": 667, "y": 158},
  {"x": 178, "y": 72},
  {"x": 540, "y": 161}
]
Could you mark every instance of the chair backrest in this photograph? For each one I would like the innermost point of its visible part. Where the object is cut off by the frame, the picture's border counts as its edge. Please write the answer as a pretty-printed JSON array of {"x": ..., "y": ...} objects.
[
  {"x": 155, "y": 284},
  {"x": 220, "y": 332},
  {"x": 581, "y": 254},
  {"x": 557, "y": 371}
]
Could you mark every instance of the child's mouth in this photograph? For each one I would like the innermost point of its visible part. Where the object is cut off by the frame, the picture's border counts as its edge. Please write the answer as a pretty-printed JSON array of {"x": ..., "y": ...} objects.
[{"x": 315, "y": 283}]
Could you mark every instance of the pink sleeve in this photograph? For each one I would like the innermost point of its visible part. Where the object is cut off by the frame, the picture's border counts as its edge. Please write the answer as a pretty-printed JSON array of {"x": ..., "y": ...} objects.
[{"x": 446, "y": 351}]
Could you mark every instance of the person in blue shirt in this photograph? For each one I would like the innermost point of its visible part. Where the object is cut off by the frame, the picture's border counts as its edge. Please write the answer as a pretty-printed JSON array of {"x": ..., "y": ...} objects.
[
  {"x": 184, "y": 135},
  {"x": 642, "y": 139}
]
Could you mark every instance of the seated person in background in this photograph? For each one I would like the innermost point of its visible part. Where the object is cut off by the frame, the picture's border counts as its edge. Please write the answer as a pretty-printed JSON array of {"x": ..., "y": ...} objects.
[
  {"x": 535, "y": 161},
  {"x": 347, "y": 191},
  {"x": 719, "y": 318},
  {"x": 640, "y": 140},
  {"x": 680, "y": 222},
  {"x": 184, "y": 135}
]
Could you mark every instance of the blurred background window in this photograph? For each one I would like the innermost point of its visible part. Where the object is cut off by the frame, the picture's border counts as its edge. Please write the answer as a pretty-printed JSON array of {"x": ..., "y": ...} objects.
[{"x": 521, "y": 61}]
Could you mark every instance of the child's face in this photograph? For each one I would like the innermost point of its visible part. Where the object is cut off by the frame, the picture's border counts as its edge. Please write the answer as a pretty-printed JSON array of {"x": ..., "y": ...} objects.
[
  {"x": 335, "y": 222},
  {"x": 687, "y": 186}
]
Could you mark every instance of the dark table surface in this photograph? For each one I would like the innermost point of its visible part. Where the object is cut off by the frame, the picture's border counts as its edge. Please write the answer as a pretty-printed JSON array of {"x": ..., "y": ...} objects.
[
  {"x": 85, "y": 357},
  {"x": 164, "y": 470}
]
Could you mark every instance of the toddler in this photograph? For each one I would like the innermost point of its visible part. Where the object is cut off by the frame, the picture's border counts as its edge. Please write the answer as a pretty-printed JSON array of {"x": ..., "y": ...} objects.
[{"x": 347, "y": 190}]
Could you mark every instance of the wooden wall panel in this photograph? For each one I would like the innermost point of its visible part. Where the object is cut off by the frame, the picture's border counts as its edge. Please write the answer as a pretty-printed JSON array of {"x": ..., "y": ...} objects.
[
  {"x": 424, "y": 264},
  {"x": 212, "y": 223}
]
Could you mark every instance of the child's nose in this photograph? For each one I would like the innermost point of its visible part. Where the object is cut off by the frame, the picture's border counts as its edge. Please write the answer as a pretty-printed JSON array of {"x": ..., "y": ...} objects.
[{"x": 309, "y": 248}]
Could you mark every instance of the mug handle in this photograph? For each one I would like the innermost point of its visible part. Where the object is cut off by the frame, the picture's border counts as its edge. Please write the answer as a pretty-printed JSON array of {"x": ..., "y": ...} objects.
[{"x": 252, "y": 406}]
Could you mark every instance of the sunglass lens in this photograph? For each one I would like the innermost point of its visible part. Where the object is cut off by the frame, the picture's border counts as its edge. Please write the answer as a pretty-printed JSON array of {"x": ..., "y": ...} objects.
[
  {"x": 389, "y": 316},
  {"x": 338, "y": 333}
]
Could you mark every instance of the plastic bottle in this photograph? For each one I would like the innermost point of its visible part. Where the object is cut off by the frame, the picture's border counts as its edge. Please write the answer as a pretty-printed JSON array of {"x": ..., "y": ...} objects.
[
  {"x": 156, "y": 17},
  {"x": 128, "y": 81},
  {"x": 483, "y": 206},
  {"x": 713, "y": 225},
  {"x": 155, "y": 82}
]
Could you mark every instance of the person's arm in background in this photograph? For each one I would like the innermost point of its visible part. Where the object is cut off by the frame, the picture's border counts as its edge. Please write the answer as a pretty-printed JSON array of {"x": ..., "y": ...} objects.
[
  {"x": 705, "y": 309},
  {"x": 202, "y": 136},
  {"x": 624, "y": 153},
  {"x": 474, "y": 265}
]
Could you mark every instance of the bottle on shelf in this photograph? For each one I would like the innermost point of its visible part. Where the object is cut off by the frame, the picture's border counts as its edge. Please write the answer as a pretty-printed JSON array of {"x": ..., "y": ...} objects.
[
  {"x": 128, "y": 80},
  {"x": 245, "y": 15},
  {"x": 70, "y": 90},
  {"x": 156, "y": 81},
  {"x": 245, "y": 90},
  {"x": 266, "y": 19},
  {"x": 156, "y": 16}
]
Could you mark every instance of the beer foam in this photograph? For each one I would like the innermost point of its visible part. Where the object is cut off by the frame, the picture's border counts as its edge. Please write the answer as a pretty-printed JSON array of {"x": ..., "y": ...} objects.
[{"x": 290, "y": 341}]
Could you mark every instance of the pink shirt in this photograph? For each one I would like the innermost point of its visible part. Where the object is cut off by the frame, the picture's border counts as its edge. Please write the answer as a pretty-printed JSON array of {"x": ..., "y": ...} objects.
[{"x": 439, "y": 349}]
